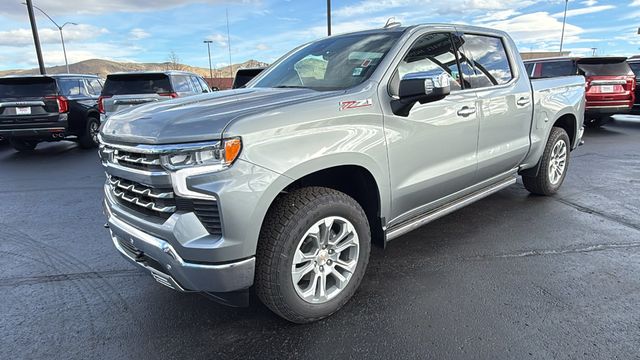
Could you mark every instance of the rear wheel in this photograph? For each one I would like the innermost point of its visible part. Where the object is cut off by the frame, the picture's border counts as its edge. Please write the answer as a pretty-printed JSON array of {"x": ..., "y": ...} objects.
[
  {"x": 553, "y": 167},
  {"x": 23, "y": 145},
  {"x": 89, "y": 139},
  {"x": 312, "y": 254}
]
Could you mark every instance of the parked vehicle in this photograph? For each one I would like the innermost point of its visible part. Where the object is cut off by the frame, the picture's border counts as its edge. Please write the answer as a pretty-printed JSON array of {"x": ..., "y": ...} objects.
[
  {"x": 125, "y": 90},
  {"x": 38, "y": 108},
  {"x": 243, "y": 76},
  {"x": 634, "y": 64},
  {"x": 610, "y": 83},
  {"x": 347, "y": 140}
]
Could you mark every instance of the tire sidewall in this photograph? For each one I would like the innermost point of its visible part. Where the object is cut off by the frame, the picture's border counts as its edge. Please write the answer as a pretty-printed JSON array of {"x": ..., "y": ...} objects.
[
  {"x": 556, "y": 135},
  {"x": 315, "y": 211},
  {"x": 87, "y": 141}
]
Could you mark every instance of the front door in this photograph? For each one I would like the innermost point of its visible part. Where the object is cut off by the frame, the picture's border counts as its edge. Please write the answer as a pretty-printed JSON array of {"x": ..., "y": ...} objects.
[{"x": 432, "y": 150}]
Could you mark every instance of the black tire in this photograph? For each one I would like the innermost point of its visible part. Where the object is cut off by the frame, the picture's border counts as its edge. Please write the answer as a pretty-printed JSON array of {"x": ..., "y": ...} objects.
[
  {"x": 23, "y": 145},
  {"x": 597, "y": 121},
  {"x": 89, "y": 140},
  {"x": 284, "y": 226},
  {"x": 541, "y": 184}
]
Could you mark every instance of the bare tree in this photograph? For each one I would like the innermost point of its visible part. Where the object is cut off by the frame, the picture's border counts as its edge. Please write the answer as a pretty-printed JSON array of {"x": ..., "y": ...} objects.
[{"x": 173, "y": 62}]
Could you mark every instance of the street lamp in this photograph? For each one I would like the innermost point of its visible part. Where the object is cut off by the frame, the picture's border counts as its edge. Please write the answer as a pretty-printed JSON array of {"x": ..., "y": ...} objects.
[
  {"x": 328, "y": 17},
  {"x": 64, "y": 50},
  {"x": 564, "y": 21},
  {"x": 208, "y": 42}
]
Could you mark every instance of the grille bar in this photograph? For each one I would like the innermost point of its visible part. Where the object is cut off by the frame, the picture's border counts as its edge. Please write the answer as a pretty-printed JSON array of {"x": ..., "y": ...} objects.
[
  {"x": 137, "y": 190},
  {"x": 147, "y": 205},
  {"x": 136, "y": 160}
]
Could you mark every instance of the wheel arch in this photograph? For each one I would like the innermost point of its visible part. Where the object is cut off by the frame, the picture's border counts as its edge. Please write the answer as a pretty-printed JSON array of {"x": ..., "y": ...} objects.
[{"x": 352, "y": 178}]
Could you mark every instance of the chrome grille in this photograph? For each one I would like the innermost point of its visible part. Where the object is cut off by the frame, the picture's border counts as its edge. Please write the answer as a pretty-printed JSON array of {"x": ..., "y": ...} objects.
[
  {"x": 157, "y": 200},
  {"x": 140, "y": 161}
]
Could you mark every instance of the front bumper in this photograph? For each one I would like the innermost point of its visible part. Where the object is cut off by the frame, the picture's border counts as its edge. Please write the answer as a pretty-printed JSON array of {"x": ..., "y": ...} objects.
[{"x": 168, "y": 268}]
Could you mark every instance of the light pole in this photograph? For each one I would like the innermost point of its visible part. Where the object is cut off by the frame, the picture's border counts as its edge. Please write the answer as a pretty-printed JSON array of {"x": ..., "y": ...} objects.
[
  {"x": 328, "y": 17},
  {"x": 64, "y": 50},
  {"x": 564, "y": 21},
  {"x": 36, "y": 38},
  {"x": 208, "y": 42}
]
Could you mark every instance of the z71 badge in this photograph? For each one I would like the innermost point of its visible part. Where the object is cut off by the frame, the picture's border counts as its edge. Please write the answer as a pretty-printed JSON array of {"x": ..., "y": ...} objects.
[{"x": 355, "y": 104}]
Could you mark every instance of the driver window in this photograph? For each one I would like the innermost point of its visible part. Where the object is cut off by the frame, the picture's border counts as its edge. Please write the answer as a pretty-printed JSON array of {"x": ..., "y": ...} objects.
[{"x": 431, "y": 55}]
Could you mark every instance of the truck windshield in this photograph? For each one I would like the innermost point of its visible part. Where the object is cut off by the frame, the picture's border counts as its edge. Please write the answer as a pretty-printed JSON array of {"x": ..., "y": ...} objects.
[{"x": 334, "y": 63}]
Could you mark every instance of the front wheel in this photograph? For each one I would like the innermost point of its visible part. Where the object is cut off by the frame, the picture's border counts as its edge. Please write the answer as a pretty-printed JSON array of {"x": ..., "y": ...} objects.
[
  {"x": 553, "y": 167},
  {"x": 312, "y": 253},
  {"x": 89, "y": 139},
  {"x": 23, "y": 145}
]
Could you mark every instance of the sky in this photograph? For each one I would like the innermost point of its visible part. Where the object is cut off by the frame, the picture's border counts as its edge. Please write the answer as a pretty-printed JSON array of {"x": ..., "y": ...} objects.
[{"x": 149, "y": 30}]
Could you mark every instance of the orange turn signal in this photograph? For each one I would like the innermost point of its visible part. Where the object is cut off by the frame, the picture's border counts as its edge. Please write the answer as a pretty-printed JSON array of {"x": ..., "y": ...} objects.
[{"x": 232, "y": 149}]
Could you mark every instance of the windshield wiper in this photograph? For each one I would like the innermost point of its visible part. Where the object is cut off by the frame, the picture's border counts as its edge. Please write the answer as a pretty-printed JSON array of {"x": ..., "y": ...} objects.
[{"x": 290, "y": 87}]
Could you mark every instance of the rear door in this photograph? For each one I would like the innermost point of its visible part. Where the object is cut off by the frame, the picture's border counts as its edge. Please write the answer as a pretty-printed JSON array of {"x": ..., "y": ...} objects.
[
  {"x": 505, "y": 105},
  {"x": 28, "y": 100},
  {"x": 122, "y": 91}
]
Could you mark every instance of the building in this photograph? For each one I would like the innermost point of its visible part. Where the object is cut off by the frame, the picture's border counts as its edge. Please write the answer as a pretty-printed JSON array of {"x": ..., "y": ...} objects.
[
  {"x": 542, "y": 54},
  {"x": 223, "y": 83}
]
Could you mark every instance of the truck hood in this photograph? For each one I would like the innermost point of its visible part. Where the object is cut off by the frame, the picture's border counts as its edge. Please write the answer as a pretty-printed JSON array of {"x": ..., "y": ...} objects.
[{"x": 198, "y": 118}]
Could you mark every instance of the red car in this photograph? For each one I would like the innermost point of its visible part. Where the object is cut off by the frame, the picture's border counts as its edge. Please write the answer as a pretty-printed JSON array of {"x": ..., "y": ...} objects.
[{"x": 610, "y": 83}]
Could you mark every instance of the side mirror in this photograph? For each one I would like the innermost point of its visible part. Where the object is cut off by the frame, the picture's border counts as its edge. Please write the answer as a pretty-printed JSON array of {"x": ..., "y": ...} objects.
[{"x": 420, "y": 87}]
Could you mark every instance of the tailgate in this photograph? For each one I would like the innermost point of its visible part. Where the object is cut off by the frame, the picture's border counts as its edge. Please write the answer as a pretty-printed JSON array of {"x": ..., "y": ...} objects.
[
  {"x": 610, "y": 81},
  {"x": 28, "y": 100}
]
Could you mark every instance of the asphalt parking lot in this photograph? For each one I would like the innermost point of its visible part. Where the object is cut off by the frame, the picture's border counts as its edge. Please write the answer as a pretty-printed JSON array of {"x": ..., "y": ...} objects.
[{"x": 512, "y": 276}]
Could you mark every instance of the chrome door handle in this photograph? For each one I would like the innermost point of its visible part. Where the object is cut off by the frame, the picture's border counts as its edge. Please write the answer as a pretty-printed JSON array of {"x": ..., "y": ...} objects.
[
  {"x": 523, "y": 101},
  {"x": 466, "y": 111}
]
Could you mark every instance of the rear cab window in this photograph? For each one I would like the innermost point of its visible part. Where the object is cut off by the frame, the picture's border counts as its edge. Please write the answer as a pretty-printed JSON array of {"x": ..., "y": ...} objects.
[
  {"x": 130, "y": 84},
  {"x": 548, "y": 69},
  {"x": 490, "y": 61}
]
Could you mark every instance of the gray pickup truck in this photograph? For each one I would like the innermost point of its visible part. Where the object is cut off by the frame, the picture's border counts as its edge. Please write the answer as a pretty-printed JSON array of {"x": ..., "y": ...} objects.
[{"x": 343, "y": 142}]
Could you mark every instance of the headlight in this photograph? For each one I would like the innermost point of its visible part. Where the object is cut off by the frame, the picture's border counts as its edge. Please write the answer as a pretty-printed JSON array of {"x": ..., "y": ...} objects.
[{"x": 221, "y": 154}]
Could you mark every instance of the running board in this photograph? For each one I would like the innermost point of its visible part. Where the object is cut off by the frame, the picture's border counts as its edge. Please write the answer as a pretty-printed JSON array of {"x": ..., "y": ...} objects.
[{"x": 421, "y": 220}]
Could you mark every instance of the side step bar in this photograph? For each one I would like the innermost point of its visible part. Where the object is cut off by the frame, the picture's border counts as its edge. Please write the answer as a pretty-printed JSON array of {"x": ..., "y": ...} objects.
[{"x": 421, "y": 220}]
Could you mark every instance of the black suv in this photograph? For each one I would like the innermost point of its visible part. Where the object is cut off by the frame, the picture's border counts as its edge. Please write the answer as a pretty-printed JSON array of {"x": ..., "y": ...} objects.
[
  {"x": 39, "y": 108},
  {"x": 634, "y": 64}
]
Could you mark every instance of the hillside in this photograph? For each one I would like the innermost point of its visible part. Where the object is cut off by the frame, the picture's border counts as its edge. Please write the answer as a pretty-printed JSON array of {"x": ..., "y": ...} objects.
[{"x": 104, "y": 67}]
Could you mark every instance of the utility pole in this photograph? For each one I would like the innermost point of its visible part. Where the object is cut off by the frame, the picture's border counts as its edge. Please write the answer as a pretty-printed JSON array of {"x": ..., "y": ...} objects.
[
  {"x": 36, "y": 38},
  {"x": 593, "y": 51},
  {"x": 564, "y": 21},
  {"x": 328, "y": 17},
  {"x": 208, "y": 42}
]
